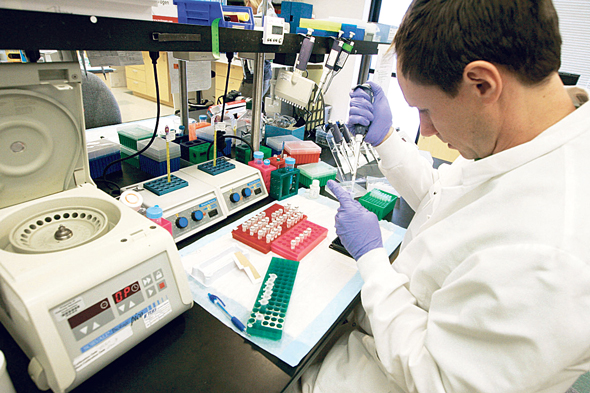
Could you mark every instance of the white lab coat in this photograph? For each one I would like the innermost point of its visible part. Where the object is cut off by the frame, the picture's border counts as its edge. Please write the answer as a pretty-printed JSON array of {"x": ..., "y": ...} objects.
[{"x": 491, "y": 289}]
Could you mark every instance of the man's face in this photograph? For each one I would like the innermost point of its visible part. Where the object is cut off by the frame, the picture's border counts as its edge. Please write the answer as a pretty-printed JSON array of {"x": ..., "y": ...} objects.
[{"x": 459, "y": 122}]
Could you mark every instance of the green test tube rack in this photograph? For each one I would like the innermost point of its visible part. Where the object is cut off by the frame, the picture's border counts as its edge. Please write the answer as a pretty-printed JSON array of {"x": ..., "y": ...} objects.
[
  {"x": 267, "y": 318},
  {"x": 284, "y": 183},
  {"x": 378, "y": 202}
]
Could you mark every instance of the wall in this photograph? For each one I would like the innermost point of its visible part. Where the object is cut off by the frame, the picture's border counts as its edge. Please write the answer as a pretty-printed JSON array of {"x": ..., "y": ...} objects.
[{"x": 337, "y": 95}]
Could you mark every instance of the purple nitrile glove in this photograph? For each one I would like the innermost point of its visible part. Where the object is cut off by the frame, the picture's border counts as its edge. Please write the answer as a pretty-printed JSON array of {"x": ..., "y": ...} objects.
[
  {"x": 357, "y": 228},
  {"x": 377, "y": 113}
]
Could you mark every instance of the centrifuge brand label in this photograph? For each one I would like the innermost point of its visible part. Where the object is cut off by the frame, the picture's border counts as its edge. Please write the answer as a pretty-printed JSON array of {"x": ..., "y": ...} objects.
[
  {"x": 69, "y": 308},
  {"x": 105, "y": 346},
  {"x": 157, "y": 313}
]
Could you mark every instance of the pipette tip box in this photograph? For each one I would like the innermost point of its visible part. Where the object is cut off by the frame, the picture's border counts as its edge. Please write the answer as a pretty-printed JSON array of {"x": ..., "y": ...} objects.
[
  {"x": 129, "y": 135},
  {"x": 319, "y": 170},
  {"x": 100, "y": 154},
  {"x": 154, "y": 159},
  {"x": 267, "y": 318},
  {"x": 378, "y": 202},
  {"x": 304, "y": 152}
]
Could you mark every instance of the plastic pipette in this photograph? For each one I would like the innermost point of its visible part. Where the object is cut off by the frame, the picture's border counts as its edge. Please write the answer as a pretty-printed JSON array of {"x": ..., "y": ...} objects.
[{"x": 360, "y": 131}]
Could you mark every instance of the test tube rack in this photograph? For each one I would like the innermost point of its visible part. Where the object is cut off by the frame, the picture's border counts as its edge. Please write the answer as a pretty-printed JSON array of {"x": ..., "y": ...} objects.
[
  {"x": 287, "y": 232},
  {"x": 284, "y": 183},
  {"x": 267, "y": 318},
  {"x": 162, "y": 186},
  {"x": 221, "y": 165},
  {"x": 299, "y": 241},
  {"x": 261, "y": 230}
]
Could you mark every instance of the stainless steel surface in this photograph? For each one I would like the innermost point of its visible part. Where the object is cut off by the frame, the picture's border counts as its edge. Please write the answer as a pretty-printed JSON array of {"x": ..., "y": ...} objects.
[
  {"x": 257, "y": 99},
  {"x": 183, "y": 94}
]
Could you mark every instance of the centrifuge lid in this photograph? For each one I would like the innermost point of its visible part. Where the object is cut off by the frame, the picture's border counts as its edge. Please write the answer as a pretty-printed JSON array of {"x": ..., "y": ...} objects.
[{"x": 42, "y": 142}]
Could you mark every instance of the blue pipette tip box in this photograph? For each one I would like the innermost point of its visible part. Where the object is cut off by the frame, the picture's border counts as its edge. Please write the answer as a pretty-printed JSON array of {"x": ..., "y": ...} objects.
[
  {"x": 162, "y": 186},
  {"x": 221, "y": 165}
]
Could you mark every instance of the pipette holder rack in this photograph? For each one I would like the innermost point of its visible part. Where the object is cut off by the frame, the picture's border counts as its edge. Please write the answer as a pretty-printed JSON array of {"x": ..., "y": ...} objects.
[
  {"x": 221, "y": 165},
  {"x": 277, "y": 214},
  {"x": 197, "y": 154},
  {"x": 378, "y": 202},
  {"x": 161, "y": 186},
  {"x": 284, "y": 183},
  {"x": 267, "y": 318}
]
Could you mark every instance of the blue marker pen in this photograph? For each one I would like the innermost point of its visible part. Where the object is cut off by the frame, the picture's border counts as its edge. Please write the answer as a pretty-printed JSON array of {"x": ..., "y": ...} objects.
[{"x": 237, "y": 323}]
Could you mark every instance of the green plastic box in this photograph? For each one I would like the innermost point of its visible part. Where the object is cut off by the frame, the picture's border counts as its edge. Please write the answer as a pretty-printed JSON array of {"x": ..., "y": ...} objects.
[
  {"x": 378, "y": 202},
  {"x": 318, "y": 170}
]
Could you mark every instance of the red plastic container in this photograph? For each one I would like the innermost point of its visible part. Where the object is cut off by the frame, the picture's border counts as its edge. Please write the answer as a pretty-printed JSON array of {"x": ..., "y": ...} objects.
[
  {"x": 282, "y": 245},
  {"x": 277, "y": 161}
]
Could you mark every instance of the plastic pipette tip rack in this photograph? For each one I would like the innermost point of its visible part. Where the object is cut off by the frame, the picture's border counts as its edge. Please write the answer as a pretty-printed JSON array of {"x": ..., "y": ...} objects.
[
  {"x": 268, "y": 314},
  {"x": 260, "y": 231},
  {"x": 162, "y": 186},
  {"x": 221, "y": 165}
]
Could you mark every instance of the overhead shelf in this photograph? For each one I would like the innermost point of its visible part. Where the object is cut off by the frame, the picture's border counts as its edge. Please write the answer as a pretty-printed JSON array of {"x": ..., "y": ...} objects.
[{"x": 34, "y": 30}]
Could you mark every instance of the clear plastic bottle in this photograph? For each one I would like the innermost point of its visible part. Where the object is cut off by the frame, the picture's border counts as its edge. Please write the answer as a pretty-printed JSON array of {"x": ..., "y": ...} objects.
[
  {"x": 289, "y": 163},
  {"x": 314, "y": 189},
  {"x": 202, "y": 118},
  {"x": 258, "y": 157}
]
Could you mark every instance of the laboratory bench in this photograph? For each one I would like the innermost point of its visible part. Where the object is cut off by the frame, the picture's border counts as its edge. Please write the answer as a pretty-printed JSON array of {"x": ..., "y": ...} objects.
[{"x": 195, "y": 352}]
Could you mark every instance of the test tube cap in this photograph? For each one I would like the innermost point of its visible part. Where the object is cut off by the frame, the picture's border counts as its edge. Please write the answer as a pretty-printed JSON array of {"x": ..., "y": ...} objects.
[
  {"x": 259, "y": 155},
  {"x": 203, "y": 118},
  {"x": 266, "y": 162},
  {"x": 290, "y": 161},
  {"x": 154, "y": 212}
]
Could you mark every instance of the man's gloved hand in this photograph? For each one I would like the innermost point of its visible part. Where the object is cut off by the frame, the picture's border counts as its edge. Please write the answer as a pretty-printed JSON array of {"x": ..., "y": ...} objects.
[
  {"x": 377, "y": 113},
  {"x": 357, "y": 228}
]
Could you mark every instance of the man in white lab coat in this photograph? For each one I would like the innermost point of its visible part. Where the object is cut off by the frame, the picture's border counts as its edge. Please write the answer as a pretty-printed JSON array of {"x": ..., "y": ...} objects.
[{"x": 491, "y": 289}]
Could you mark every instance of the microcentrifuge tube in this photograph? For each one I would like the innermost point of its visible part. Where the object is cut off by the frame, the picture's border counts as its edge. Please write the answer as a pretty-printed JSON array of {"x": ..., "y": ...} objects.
[{"x": 293, "y": 244}]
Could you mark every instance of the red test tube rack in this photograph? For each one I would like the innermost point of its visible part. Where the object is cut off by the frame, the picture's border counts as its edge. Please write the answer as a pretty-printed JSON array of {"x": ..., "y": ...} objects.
[
  {"x": 299, "y": 241},
  {"x": 260, "y": 231}
]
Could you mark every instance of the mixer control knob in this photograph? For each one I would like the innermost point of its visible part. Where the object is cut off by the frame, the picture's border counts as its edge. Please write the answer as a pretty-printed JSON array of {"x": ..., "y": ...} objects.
[
  {"x": 197, "y": 215},
  {"x": 234, "y": 197},
  {"x": 181, "y": 222},
  {"x": 246, "y": 192}
]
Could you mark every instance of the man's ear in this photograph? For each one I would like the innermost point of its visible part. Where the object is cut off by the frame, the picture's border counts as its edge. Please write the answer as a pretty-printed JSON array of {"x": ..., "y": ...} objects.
[{"x": 484, "y": 80}]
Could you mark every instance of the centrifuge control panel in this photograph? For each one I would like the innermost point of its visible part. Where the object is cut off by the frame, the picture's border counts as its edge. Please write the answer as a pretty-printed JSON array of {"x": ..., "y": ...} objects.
[{"x": 100, "y": 324}]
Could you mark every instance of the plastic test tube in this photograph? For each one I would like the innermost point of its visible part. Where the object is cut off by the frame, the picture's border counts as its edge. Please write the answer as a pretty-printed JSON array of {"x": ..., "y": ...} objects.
[
  {"x": 258, "y": 157},
  {"x": 289, "y": 163}
]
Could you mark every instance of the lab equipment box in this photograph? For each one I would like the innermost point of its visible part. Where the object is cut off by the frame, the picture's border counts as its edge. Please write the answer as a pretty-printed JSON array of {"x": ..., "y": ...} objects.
[
  {"x": 130, "y": 135},
  {"x": 292, "y": 12},
  {"x": 126, "y": 152},
  {"x": 100, "y": 154},
  {"x": 243, "y": 154},
  {"x": 319, "y": 170},
  {"x": 276, "y": 142},
  {"x": 378, "y": 202},
  {"x": 154, "y": 159},
  {"x": 205, "y": 12},
  {"x": 270, "y": 130},
  {"x": 304, "y": 152}
]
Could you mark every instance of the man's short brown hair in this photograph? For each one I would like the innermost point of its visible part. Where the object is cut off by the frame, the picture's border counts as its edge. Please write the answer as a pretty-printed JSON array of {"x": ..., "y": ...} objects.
[{"x": 438, "y": 38}]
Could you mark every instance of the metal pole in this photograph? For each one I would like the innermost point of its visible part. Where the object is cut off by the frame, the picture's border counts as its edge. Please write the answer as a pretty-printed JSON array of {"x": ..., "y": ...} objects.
[
  {"x": 183, "y": 94},
  {"x": 258, "y": 85}
]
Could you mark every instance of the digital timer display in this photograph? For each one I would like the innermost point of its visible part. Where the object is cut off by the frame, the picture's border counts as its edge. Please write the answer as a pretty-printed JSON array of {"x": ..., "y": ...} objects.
[{"x": 124, "y": 293}]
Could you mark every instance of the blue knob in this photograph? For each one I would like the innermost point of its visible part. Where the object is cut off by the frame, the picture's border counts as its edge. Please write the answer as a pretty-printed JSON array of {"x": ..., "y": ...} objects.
[
  {"x": 181, "y": 222},
  {"x": 234, "y": 197},
  {"x": 197, "y": 215},
  {"x": 246, "y": 192}
]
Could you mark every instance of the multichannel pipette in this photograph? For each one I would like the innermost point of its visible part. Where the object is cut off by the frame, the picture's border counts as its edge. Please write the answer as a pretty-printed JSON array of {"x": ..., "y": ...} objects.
[{"x": 359, "y": 132}]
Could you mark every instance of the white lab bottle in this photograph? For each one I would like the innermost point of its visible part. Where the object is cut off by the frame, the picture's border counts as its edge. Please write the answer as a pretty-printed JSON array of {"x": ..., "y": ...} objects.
[{"x": 314, "y": 189}]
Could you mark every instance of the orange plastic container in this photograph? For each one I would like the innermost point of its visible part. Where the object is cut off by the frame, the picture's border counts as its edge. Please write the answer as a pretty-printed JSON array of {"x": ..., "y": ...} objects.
[{"x": 193, "y": 127}]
